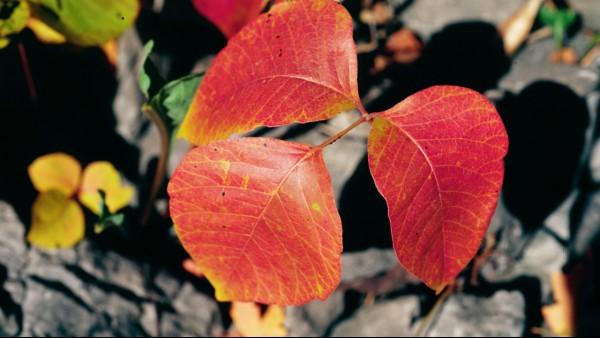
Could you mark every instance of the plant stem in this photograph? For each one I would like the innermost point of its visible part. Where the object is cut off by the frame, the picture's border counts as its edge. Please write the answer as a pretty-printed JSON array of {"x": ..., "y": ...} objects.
[
  {"x": 342, "y": 133},
  {"x": 27, "y": 71},
  {"x": 161, "y": 168},
  {"x": 427, "y": 319}
]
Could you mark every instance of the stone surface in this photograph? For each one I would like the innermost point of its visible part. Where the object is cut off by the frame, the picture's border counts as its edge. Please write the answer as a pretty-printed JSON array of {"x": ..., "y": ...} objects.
[
  {"x": 462, "y": 315},
  {"x": 429, "y": 16},
  {"x": 391, "y": 318},
  {"x": 86, "y": 291}
]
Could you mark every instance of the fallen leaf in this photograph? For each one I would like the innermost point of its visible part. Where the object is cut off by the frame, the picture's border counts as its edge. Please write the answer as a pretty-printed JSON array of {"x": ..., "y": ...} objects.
[
  {"x": 516, "y": 28},
  {"x": 380, "y": 14},
  {"x": 229, "y": 15},
  {"x": 191, "y": 267},
  {"x": 565, "y": 55},
  {"x": 111, "y": 50},
  {"x": 89, "y": 22},
  {"x": 270, "y": 75},
  {"x": 560, "y": 316},
  {"x": 244, "y": 213},
  {"x": 13, "y": 18},
  {"x": 103, "y": 176},
  {"x": 404, "y": 45},
  {"x": 57, "y": 171},
  {"x": 45, "y": 33},
  {"x": 248, "y": 321},
  {"x": 57, "y": 221},
  {"x": 437, "y": 159}
]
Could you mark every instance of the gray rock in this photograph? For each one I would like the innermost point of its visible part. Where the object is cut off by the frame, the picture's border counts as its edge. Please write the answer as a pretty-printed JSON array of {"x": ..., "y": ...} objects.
[
  {"x": 390, "y": 318},
  {"x": 590, "y": 10},
  {"x": 85, "y": 291},
  {"x": 368, "y": 263},
  {"x": 314, "y": 318},
  {"x": 429, "y": 16},
  {"x": 515, "y": 255},
  {"x": 502, "y": 315}
]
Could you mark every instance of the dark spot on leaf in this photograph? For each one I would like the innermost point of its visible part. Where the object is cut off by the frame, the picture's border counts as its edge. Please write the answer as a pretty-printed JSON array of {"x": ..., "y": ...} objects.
[
  {"x": 264, "y": 145},
  {"x": 224, "y": 226},
  {"x": 280, "y": 53},
  {"x": 215, "y": 149},
  {"x": 277, "y": 36},
  {"x": 222, "y": 193}
]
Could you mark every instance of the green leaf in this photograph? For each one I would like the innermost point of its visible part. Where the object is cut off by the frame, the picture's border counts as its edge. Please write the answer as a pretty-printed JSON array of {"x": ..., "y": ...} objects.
[
  {"x": 559, "y": 20},
  {"x": 13, "y": 18},
  {"x": 150, "y": 80},
  {"x": 107, "y": 219},
  {"x": 174, "y": 99},
  {"x": 87, "y": 22}
]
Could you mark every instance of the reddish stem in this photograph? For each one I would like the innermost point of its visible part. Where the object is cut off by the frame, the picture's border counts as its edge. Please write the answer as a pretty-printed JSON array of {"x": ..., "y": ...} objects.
[{"x": 27, "y": 71}]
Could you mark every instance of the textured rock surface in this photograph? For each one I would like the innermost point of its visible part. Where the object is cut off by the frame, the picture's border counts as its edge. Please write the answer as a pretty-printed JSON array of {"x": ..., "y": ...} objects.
[
  {"x": 87, "y": 291},
  {"x": 501, "y": 315},
  {"x": 392, "y": 318}
]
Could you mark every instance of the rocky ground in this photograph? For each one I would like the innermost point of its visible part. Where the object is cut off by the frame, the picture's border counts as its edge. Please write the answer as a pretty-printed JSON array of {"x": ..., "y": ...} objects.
[{"x": 94, "y": 290}]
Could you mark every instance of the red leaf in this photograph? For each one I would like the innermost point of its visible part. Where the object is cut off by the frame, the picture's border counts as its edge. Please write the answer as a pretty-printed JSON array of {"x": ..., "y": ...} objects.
[
  {"x": 437, "y": 159},
  {"x": 229, "y": 15},
  {"x": 295, "y": 64},
  {"x": 245, "y": 213}
]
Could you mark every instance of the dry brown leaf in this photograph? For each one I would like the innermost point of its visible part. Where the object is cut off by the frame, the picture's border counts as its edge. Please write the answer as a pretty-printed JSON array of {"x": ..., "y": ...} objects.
[{"x": 517, "y": 27}]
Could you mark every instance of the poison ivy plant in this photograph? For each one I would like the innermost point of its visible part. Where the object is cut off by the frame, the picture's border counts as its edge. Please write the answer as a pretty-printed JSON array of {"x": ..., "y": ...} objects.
[
  {"x": 559, "y": 20},
  {"x": 83, "y": 23},
  {"x": 258, "y": 216},
  {"x": 57, "y": 219},
  {"x": 229, "y": 15},
  {"x": 13, "y": 18}
]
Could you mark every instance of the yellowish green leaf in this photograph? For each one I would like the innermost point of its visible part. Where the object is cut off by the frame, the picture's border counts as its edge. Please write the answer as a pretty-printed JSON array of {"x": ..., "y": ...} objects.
[
  {"x": 89, "y": 22},
  {"x": 57, "y": 221},
  {"x": 44, "y": 32},
  {"x": 102, "y": 176},
  {"x": 57, "y": 171},
  {"x": 13, "y": 18}
]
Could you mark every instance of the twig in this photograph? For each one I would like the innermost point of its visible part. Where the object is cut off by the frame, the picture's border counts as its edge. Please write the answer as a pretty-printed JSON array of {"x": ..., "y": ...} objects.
[{"x": 27, "y": 71}]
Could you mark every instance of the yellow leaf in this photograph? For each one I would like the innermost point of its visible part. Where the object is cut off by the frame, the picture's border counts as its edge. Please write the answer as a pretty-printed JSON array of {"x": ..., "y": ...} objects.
[
  {"x": 103, "y": 176},
  {"x": 14, "y": 16},
  {"x": 44, "y": 32},
  {"x": 4, "y": 42},
  {"x": 560, "y": 316},
  {"x": 248, "y": 322},
  {"x": 55, "y": 171},
  {"x": 57, "y": 221}
]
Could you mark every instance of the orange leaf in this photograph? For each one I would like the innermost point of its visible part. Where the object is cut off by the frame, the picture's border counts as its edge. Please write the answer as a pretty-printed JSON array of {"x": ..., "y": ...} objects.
[
  {"x": 55, "y": 171},
  {"x": 57, "y": 221},
  {"x": 229, "y": 15},
  {"x": 244, "y": 213},
  {"x": 103, "y": 176},
  {"x": 560, "y": 316},
  {"x": 248, "y": 322},
  {"x": 270, "y": 74},
  {"x": 190, "y": 266},
  {"x": 437, "y": 160}
]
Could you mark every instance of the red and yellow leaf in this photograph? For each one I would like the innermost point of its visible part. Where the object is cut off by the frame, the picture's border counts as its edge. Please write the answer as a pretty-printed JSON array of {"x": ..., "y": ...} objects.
[
  {"x": 248, "y": 321},
  {"x": 57, "y": 221},
  {"x": 296, "y": 63},
  {"x": 437, "y": 159},
  {"x": 57, "y": 171},
  {"x": 561, "y": 315},
  {"x": 246, "y": 215},
  {"x": 229, "y": 15},
  {"x": 103, "y": 176}
]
